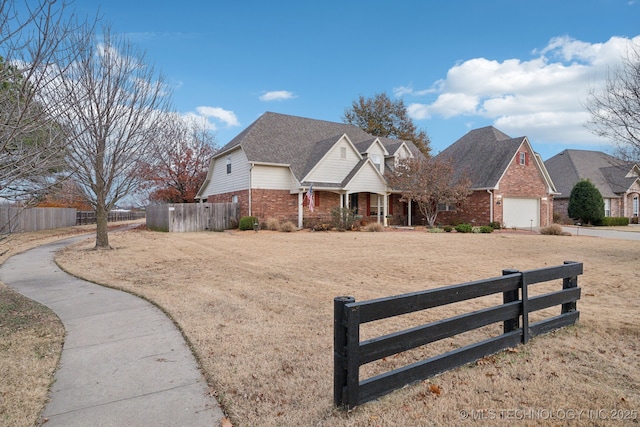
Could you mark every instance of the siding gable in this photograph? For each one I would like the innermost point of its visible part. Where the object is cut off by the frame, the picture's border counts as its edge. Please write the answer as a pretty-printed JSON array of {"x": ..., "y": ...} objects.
[
  {"x": 336, "y": 164},
  {"x": 367, "y": 179},
  {"x": 219, "y": 181}
]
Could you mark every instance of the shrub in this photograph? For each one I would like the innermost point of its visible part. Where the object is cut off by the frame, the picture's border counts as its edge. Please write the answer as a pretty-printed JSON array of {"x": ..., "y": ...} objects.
[
  {"x": 321, "y": 226},
  {"x": 615, "y": 220},
  {"x": 586, "y": 203},
  {"x": 288, "y": 227},
  {"x": 375, "y": 227},
  {"x": 464, "y": 228},
  {"x": 343, "y": 218},
  {"x": 447, "y": 228},
  {"x": 552, "y": 230},
  {"x": 272, "y": 224},
  {"x": 495, "y": 225},
  {"x": 482, "y": 229},
  {"x": 436, "y": 230},
  {"x": 246, "y": 222}
]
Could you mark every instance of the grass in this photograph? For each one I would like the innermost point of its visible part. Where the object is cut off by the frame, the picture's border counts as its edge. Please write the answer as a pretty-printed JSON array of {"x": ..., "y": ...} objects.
[
  {"x": 31, "y": 338},
  {"x": 257, "y": 310}
]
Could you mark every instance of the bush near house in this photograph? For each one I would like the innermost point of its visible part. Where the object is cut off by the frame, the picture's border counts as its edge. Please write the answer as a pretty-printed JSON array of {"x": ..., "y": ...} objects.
[
  {"x": 464, "y": 228},
  {"x": 615, "y": 220},
  {"x": 246, "y": 222}
]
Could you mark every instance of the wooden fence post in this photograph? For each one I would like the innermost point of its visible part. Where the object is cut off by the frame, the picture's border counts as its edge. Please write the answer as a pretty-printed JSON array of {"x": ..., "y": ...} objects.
[
  {"x": 510, "y": 296},
  {"x": 340, "y": 349},
  {"x": 569, "y": 282}
]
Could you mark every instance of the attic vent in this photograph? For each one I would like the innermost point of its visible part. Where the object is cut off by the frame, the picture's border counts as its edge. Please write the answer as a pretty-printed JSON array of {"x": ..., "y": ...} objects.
[{"x": 343, "y": 152}]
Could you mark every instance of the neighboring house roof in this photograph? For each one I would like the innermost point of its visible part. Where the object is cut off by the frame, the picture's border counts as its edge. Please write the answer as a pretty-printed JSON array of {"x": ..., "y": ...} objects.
[
  {"x": 483, "y": 155},
  {"x": 299, "y": 142},
  {"x": 610, "y": 175}
]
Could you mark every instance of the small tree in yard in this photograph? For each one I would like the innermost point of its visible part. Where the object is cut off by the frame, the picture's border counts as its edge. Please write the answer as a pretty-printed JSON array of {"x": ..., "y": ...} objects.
[
  {"x": 586, "y": 203},
  {"x": 429, "y": 182}
]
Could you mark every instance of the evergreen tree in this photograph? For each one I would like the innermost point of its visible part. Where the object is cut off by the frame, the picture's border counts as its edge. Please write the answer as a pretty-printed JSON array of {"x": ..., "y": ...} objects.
[{"x": 586, "y": 203}]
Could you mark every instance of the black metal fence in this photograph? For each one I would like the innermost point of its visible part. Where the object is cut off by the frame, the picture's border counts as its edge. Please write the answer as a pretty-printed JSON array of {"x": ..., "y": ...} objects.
[{"x": 350, "y": 354}]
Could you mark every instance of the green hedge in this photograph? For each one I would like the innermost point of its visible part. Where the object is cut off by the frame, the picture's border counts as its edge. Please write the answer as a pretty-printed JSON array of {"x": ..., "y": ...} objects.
[
  {"x": 246, "y": 222},
  {"x": 615, "y": 220},
  {"x": 464, "y": 228}
]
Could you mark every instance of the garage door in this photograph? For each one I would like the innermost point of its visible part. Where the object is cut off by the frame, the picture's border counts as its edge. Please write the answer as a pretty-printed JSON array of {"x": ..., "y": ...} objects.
[{"x": 521, "y": 213}]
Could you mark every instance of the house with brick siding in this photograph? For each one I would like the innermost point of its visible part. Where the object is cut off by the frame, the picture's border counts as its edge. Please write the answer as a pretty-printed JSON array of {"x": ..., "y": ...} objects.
[
  {"x": 617, "y": 180},
  {"x": 510, "y": 183},
  {"x": 271, "y": 167}
]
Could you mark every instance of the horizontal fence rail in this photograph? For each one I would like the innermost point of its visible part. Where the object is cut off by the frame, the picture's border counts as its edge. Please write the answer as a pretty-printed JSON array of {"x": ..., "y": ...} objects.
[{"x": 350, "y": 353}]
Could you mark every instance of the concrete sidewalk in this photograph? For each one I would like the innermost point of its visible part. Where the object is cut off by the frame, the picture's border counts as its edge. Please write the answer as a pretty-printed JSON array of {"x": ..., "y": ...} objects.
[{"x": 123, "y": 362}]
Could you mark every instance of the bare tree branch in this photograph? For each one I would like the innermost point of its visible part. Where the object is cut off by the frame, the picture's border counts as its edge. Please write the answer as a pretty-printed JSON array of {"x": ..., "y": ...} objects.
[
  {"x": 615, "y": 110},
  {"x": 114, "y": 105}
]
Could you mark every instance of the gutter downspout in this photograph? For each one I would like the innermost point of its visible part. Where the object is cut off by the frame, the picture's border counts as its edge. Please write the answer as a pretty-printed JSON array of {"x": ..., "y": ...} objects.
[
  {"x": 250, "y": 187},
  {"x": 490, "y": 205}
]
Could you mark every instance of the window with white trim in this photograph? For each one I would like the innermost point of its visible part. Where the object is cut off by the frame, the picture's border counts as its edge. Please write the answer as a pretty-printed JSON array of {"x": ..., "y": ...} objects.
[
  {"x": 375, "y": 159},
  {"x": 229, "y": 164},
  {"x": 635, "y": 206},
  {"x": 523, "y": 158},
  {"x": 607, "y": 207}
]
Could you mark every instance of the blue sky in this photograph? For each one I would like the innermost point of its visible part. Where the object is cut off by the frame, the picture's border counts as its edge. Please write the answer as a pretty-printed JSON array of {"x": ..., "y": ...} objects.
[{"x": 524, "y": 67}]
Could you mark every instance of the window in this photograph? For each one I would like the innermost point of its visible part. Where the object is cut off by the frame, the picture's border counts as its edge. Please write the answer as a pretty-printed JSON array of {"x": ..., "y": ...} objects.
[
  {"x": 234, "y": 198},
  {"x": 635, "y": 206},
  {"x": 443, "y": 207},
  {"x": 228, "y": 164},
  {"x": 375, "y": 159},
  {"x": 607, "y": 207},
  {"x": 343, "y": 152},
  {"x": 374, "y": 202},
  {"x": 523, "y": 158}
]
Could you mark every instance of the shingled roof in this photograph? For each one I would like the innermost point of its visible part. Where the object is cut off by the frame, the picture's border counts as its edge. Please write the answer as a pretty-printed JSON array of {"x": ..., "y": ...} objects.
[
  {"x": 297, "y": 142},
  {"x": 607, "y": 173},
  {"x": 483, "y": 155}
]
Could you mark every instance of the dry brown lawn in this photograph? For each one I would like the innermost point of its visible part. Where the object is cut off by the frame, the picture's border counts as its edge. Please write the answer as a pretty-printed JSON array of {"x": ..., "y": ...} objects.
[
  {"x": 257, "y": 309},
  {"x": 31, "y": 338}
]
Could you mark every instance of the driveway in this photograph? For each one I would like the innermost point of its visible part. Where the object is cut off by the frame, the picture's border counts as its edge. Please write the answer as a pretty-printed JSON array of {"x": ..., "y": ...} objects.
[{"x": 604, "y": 232}]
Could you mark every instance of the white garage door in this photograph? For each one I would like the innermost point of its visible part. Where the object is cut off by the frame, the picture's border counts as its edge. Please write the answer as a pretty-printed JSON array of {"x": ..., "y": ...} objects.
[{"x": 521, "y": 213}]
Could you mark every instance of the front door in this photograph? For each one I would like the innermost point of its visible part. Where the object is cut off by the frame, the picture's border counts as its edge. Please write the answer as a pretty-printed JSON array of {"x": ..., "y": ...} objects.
[{"x": 353, "y": 202}]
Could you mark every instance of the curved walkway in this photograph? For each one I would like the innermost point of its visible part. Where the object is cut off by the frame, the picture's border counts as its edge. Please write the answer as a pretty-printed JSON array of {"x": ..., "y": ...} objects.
[{"x": 123, "y": 361}]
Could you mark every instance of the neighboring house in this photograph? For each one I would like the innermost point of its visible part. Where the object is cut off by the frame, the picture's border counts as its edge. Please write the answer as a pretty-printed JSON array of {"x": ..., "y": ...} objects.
[
  {"x": 618, "y": 181},
  {"x": 510, "y": 183},
  {"x": 270, "y": 167}
]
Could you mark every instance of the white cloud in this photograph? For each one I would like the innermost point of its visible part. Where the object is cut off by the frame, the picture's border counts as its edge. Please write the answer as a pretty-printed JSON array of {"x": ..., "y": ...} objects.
[
  {"x": 543, "y": 97},
  {"x": 277, "y": 95},
  {"x": 228, "y": 118}
]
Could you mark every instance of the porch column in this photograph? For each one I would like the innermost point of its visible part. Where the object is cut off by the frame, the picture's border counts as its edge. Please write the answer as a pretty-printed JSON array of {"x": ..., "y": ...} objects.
[
  {"x": 378, "y": 205},
  {"x": 386, "y": 209},
  {"x": 300, "y": 208},
  {"x": 409, "y": 213}
]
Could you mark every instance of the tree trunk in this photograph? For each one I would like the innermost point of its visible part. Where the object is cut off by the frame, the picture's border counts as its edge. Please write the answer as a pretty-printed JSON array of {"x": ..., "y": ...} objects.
[{"x": 102, "y": 231}]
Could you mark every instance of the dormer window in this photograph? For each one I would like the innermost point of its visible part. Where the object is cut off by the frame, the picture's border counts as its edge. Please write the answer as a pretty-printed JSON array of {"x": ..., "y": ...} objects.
[{"x": 376, "y": 160}]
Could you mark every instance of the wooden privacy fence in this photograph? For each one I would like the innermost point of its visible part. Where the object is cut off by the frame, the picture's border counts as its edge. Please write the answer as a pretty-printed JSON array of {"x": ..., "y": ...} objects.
[
  {"x": 193, "y": 217},
  {"x": 89, "y": 217},
  {"x": 18, "y": 220},
  {"x": 350, "y": 353}
]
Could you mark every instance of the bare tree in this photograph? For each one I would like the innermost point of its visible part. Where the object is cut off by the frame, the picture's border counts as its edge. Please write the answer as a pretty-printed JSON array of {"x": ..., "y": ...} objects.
[
  {"x": 430, "y": 183},
  {"x": 615, "y": 110},
  {"x": 37, "y": 48},
  {"x": 114, "y": 109}
]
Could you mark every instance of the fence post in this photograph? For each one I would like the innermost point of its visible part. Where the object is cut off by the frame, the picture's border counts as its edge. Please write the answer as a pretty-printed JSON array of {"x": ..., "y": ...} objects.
[
  {"x": 510, "y": 296},
  {"x": 340, "y": 349},
  {"x": 569, "y": 282}
]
